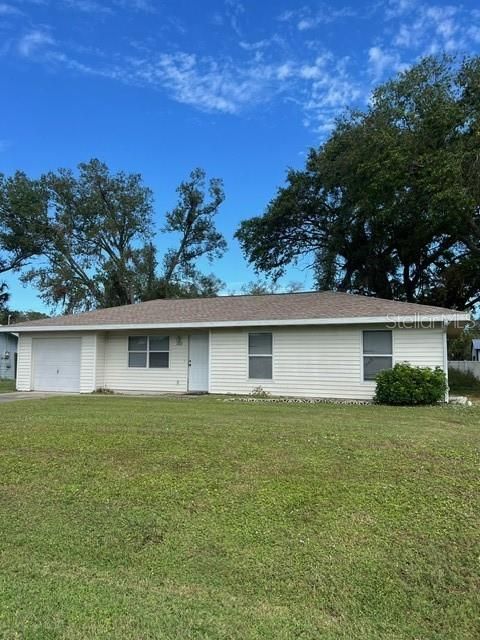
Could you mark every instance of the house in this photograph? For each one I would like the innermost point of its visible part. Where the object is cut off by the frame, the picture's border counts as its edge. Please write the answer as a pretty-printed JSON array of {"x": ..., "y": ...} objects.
[
  {"x": 476, "y": 349},
  {"x": 318, "y": 344},
  {"x": 8, "y": 355}
]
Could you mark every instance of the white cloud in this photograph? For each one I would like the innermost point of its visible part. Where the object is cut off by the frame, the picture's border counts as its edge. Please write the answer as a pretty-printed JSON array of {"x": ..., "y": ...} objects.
[
  {"x": 261, "y": 67},
  {"x": 285, "y": 70},
  {"x": 234, "y": 12},
  {"x": 396, "y": 8},
  {"x": 328, "y": 89},
  {"x": 255, "y": 46},
  {"x": 307, "y": 23},
  {"x": 145, "y": 6},
  {"x": 431, "y": 29},
  {"x": 99, "y": 6},
  {"x": 321, "y": 88},
  {"x": 306, "y": 19},
  {"x": 407, "y": 36},
  {"x": 89, "y": 6},
  {"x": 8, "y": 9},
  {"x": 203, "y": 82},
  {"x": 446, "y": 28},
  {"x": 286, "y": 16},
  {"x": 316, "y": 69},
  {"x": 31, "y": 42},
  {"x": 381, "y": 61},
  {"x": 473, "y": 33}
]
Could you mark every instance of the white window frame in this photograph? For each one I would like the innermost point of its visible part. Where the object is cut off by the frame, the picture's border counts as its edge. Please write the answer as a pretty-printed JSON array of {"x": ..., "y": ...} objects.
[
  {"x": 380, "y": 355},
  {"x": 259, "y": 355},
  {"x": 148, "y": 351}
]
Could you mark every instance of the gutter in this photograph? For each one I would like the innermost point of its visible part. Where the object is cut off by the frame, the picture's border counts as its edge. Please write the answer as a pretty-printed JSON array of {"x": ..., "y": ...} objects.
[{"x": 392, "y": 321}]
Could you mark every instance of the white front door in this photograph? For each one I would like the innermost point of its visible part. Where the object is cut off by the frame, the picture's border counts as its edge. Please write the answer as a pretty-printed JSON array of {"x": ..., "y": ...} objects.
[
  {"x": 56, "y": 364},
  {"x": 198, "y": 362}
]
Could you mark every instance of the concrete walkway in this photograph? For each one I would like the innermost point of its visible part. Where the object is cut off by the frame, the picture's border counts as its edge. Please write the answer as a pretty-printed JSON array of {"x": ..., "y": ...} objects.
[{"x": 26, "y": 395}]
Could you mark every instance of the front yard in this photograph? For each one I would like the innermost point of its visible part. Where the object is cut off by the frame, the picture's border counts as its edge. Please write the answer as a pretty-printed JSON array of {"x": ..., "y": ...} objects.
[{"x": 131, "y": 518}]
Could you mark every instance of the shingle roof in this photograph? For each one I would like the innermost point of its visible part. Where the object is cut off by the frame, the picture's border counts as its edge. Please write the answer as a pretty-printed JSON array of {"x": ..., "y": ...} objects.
[{"x": 281, "y": 307}]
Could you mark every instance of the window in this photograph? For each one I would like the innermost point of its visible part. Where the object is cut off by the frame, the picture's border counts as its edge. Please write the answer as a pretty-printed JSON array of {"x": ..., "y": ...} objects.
[
  {"x": 260, "y": 355},
  {"x": 148, "y": 351},
  {"x": 377, "y": 353},
  {"x": 137, "y": 351}
]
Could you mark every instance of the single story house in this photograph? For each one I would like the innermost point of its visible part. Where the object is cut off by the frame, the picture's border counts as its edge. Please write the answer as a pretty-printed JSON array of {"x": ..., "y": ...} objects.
[
  {"x": 317, "y": 344},
  {"x": 8, "y": 355},
  {"x": 476, "y": 349}
]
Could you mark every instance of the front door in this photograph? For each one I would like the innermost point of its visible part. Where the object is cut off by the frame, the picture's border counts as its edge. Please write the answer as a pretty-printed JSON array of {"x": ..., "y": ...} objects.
[{"x": 198, "y": 362}]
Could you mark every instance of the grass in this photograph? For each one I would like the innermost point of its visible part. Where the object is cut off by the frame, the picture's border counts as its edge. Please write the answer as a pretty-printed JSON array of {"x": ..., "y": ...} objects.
[
  {"x": 465, "y": 384},
  {"x": 202, "y": 519},
  {"x": 6, "y": 385}
]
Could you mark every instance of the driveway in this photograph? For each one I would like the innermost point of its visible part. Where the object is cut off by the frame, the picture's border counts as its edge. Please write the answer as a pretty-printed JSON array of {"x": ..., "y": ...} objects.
[{"x": 26, "y": 395}]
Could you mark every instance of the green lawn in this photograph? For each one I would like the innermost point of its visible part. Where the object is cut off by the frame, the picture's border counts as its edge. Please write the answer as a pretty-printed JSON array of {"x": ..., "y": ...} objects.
[
  {"x": 6, "y": 386},
  {"x": 127, "y": 518}
]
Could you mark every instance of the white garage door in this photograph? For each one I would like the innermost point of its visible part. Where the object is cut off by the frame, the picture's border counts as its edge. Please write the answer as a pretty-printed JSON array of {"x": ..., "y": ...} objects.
[{"x": 56, "y": 364}]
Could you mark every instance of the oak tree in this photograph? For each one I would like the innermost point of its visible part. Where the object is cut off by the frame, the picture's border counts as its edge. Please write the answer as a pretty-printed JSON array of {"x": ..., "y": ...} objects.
[{"x": 389, "y": 205}]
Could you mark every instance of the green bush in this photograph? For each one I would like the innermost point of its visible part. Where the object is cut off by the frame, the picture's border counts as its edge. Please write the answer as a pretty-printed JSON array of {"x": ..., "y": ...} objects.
[{"x": 407, "y": 385}]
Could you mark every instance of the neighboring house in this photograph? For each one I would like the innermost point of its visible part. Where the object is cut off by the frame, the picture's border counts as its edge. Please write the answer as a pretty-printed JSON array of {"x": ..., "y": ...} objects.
[
  {"x": 324, "y": 344},
  {"x": 476, "y": 349},
  {"x": 8, "y": 355}
]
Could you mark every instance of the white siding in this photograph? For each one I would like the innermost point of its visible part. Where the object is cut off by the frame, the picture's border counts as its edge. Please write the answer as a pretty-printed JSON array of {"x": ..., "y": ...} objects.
[
  {"x": 421, "y": 347},
  {"x": 100, "y": 362},
  {"x": 314, "y": 361},
  {"x": 307, "y": 361},
  {"x": 119, "y": 377},
  {"x": 24, "y": 363},
  {"x": 87, "y": 363}
]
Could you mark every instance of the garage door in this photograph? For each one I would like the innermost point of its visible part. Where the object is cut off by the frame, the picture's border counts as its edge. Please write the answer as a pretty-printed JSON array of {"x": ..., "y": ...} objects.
[{"x": 56, "y": 364}]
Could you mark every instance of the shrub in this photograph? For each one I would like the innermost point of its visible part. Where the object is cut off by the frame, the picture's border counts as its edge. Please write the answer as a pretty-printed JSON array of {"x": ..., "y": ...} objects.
[
  {"x": 259, "y": 392},
  {"x": 408, "y": 385}
]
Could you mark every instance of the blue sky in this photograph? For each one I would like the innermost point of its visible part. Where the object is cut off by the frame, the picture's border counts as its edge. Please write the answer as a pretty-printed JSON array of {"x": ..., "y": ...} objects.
[{"x": 240, "y": 88}]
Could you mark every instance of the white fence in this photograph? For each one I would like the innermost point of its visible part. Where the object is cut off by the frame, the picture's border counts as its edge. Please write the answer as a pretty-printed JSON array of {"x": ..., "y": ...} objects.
[{"x": 466, "y": 366}]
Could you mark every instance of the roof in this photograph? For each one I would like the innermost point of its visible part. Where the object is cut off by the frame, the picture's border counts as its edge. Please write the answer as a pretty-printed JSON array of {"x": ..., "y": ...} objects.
[
  {"x": 327, "y": 307},
  {"x": 476, "y": 343}
]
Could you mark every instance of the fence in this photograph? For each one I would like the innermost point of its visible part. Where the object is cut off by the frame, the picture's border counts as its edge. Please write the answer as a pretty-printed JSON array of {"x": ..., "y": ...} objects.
[{"x": 466, "y": 366}]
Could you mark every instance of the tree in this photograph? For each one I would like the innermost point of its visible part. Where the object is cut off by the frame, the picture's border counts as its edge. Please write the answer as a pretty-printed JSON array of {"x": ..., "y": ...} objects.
[
  {"x": 23, "y": 216},
  {"x": 258, "y": 288},
  {"x": 106, "y": 222},
  {"x": 460, "y": 346},
  {"x": 390, "y": 204},
  {"x": 264, "y": 287},
  {"x": 99, "y": 249},
  {"x": 193, "y": 221},
  {"x": 20, "y": 316},
  {"x": 90, "y": 245},
  {"x": 98, "y": 225}
]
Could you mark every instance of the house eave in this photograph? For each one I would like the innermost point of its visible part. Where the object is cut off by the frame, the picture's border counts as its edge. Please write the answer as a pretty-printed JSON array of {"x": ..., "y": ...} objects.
[{"x": 406, "y": 321}]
